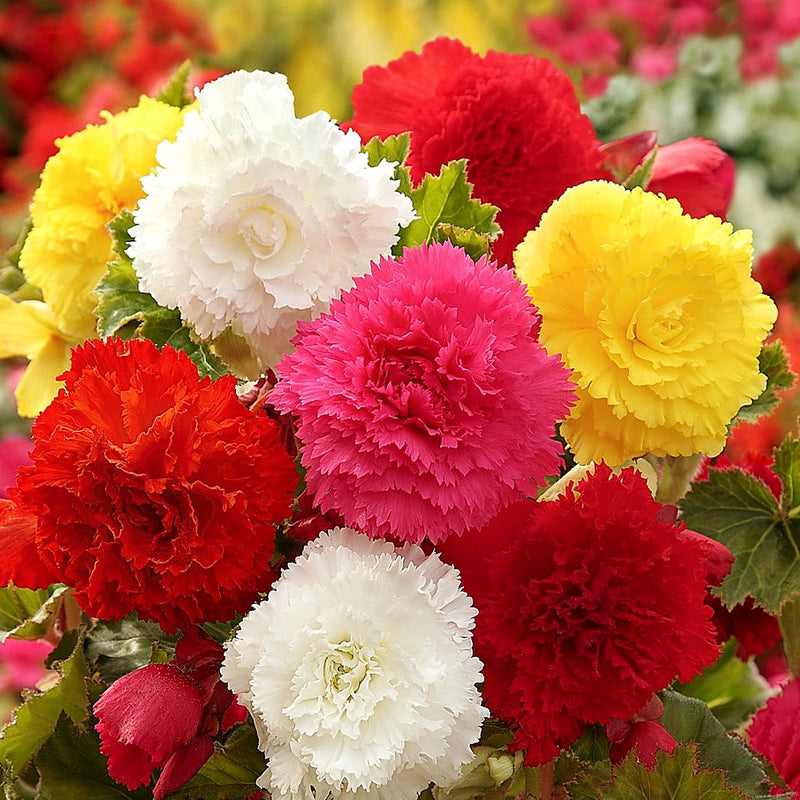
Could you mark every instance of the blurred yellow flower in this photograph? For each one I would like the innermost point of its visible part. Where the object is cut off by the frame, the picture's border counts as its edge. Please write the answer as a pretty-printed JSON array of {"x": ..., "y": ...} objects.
[
  {"x": 95, "y": 174},
  {"x": 655, "y": 312}
]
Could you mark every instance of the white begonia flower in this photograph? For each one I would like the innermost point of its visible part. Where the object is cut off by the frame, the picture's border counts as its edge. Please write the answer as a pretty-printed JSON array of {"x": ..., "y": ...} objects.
[
  {"x": 358, "y": 672},
  {"x": 256, "y": 219}
]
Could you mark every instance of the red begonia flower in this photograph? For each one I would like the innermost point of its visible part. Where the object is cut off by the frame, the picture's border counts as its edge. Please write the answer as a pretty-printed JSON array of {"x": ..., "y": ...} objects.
[
  {"x": 150, "y": 490},
  {"x": 162, "y": 716},
  {"x": 516, "y": 119},
  {"x": 587, "y": 604},
  {"x": 774, "y": 733},
  {"x": 696, "y": 172}
]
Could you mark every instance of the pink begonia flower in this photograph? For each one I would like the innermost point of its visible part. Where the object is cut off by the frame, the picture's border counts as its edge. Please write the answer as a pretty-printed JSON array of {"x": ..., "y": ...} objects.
[
  {"x": 698, "y": 173},
  {"x": 423, "y": 400},
  {"x": 22, "y": 664},
  {"x": 163, "y": 716}
]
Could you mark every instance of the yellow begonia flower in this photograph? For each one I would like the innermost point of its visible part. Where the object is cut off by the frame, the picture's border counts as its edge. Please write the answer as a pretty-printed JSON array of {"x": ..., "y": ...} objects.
[
  {"x": 95, "y": 174},
  {"x": 656, "y": 313},
  {"x": 29, "y": 329}
]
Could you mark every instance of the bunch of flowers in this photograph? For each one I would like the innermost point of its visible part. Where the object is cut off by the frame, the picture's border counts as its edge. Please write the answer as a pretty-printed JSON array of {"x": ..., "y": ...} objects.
[{"x": 370, "y": 466}]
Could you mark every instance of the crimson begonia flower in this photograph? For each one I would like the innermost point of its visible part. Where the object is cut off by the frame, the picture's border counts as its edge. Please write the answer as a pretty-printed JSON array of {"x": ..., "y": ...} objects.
[
  {"x": 587, "y": 604},
  {"x": 694, "y": 171},
  {"x": 162, "y": 716},
  {"x": 516, "y": 118},
  {"x": 642, "y": 734},
  {"x": 150, "y": 490}
]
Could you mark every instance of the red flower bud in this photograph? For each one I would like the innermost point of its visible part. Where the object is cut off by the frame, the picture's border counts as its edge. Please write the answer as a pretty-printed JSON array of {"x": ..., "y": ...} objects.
[{"x": 697, "y": 173}]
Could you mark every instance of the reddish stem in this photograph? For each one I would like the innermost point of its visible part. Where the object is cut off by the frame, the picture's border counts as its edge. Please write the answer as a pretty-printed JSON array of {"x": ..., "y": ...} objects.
[{"x": 546, "y": 780}]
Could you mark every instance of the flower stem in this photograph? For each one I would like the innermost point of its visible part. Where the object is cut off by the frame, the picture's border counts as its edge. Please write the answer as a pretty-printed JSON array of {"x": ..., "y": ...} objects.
[
  {"x": 789, "y": 621},
  {"x": 676, "y": 477},
  {"x": 546, "y": 780}
]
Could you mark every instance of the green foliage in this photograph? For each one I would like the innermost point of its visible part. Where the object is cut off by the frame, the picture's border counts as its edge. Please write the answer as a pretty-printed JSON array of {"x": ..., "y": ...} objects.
[
  {"x": 116, "y": 648},
  {"x": 444, "y": 205},
  {"x": 446, "y": 200},
  {"x": 593, "y": 745},
  {"x": 675, "y": 776},
  {"x": 231, "y": 772},
  {"x": 35, "y": 720},
  {"x": 740, "y": 511},
  {"x": 731, "y": 688},
  {"x": 690, "y": 721},
  {"x": 773, "y": 363},
  {"x": 174, "y": 93},
  {"x": 392, "y": 148},
  {"x": 122, "y": 310},
  {"x": 71, "y": 767},
  {"x": 642, "y": 174},
  {"x": 27, "y": 613}
]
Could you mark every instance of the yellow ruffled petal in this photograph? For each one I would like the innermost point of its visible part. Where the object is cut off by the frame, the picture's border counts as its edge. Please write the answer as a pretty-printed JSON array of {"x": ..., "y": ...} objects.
[
  {"x": 38, "y": 385},
  {"x": 656, "y": 313},
  {"x": 96, "y": 173},
  {"x": 25, "y": 328}
]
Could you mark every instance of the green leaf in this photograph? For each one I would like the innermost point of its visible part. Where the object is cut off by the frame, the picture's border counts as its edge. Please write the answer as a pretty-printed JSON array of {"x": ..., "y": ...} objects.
[
  {"x": 27, "y": 613},
  {"x": 174, "y": 93},
  {"x": 446, "y": 200},
  {"x": 642, "y": 174},
  {"x": 231, "y": 772},
  {"x": 787, "y": 468},
  {"x": 740, "y": 511},
  {"x": 392, "y": 148},
  {"x": 114, "y": 649},
  {"x": 731, "y": 688},
  {"x": 773, "y": 363},
  {"x": 475, "y": 244},
  {"x": 592, "y": 745},
  {"x": 35, "y": 720},
  {"x": 123, "y": 310},
  {"x": 71, "y": 767},
  {"x": 675, "y": 777},
  {"x": 690, "y": 721}
]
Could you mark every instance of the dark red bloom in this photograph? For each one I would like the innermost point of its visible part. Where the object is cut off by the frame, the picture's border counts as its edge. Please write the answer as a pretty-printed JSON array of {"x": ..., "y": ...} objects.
[
  {"x": 151, "y": 490},
  {"x": 516, "y": 118},
  {"x": 587, "y": 604},
  {"x": 163, "y": 716},
  {"x": 754, "y": 628}
]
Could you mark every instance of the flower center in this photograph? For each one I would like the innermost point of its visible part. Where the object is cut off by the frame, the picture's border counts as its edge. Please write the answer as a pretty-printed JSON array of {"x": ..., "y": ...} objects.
[
  {"x": 263, "y": 231},
  {"x": 344, "y": 670}
]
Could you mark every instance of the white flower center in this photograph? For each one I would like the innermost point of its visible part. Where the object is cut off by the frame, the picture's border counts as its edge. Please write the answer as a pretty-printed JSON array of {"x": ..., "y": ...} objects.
[
  {"x": 338, "y": 686},
  {"x": 263, "y": 231},
  {"x": 344, "y": 671}
]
